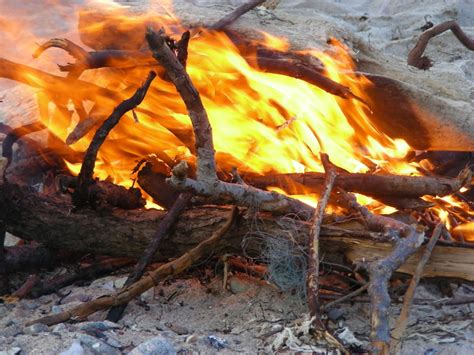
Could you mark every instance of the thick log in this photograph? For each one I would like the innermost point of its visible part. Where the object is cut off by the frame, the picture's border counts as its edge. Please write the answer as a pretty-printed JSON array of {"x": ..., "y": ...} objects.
[
  {"x": 127, "y": 233},
  {"x": 29, "y": 257}
]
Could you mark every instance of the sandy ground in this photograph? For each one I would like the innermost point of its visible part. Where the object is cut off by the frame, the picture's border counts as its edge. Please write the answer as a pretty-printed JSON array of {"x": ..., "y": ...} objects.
[{"x": 200, "y": 308}]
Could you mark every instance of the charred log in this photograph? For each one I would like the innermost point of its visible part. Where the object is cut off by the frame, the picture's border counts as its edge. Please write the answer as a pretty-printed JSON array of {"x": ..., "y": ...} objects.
[{"x": 127, "y": 233}]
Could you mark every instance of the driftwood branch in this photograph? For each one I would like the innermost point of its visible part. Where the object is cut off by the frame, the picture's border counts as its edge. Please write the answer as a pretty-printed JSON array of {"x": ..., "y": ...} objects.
[
  {"x": 416, "y": 58},
  {"x": 85, "y": 179},
  {"x": 312, "y": 276},
  {"x": 407, "y": 240},
  {"x": 166, "y": 223},
  {"x": 397, "y": 333},
  {"x": 234, "y": 15},
  {"x": 124, "y": 296},
  {"x": 77, "y": 52}
]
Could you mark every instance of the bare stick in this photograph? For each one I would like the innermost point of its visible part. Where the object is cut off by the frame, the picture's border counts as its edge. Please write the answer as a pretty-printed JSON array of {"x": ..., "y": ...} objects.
[
  {"x": 368, "y": 184},
  {"x": 312, "y": 276},
  {"x": 234, "y": 15},
  {"x": 220, "y": 192},
  {"x": 90, "y": 272},
  {"x": 206, "y": 163},
  {"x": 124, "y": 296},
  {"x": 345, "y": 297},
  {"x": 73, "y": 49},
  {"x": 166, "y": 223},
  {"x": 26, "y": 288},
  {"x": 397, "y": 333},
  {"x": 416, "y": 58},
  {"x": 85, "y": 179}
]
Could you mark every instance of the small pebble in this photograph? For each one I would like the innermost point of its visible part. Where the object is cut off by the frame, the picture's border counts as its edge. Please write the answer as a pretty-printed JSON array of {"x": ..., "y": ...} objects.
[
  {"x": 99, "y": 326},
  {"x": 75, "y": 349},
  {"x": 59, "y": 328},
  {"x": 191, "y": 339},
  {"x": 31, "y": 305},
  {"x": 56, "y": 309},
  {"x": 178, "y": 329},
  {"x": 216, "y": 342},
  {"x": 97, "y": 346},
  {"x": 154, "y": 346},
  {"x": 11, "y": 331},
  {"x": 11, "y": 351},
  {"x": 36, "y": 329},
  {"x": 112, "y": 340},
  {"x": 335, "y": 314}
]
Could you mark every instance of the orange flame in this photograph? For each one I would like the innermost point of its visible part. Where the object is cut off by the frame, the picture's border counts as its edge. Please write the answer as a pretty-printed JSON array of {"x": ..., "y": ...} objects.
[{"x": 261, "y": 122}]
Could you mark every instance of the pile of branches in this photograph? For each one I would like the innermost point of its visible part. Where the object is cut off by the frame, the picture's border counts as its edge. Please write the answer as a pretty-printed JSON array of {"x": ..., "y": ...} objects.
[{"x": 95, "y": 203}]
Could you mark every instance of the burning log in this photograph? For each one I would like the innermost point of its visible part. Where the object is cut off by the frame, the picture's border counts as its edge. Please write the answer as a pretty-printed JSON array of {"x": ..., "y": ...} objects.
[
  {"x": 394, "y": 190},
  {"x": 78, "y": 90},
  {"x": 416, "y": 58},
  {"x": 102, "y": 195},
  {"x": 56, "y": 84},
  {"x": 120, "y": 233},
  {"x": 369, "y": 184}
]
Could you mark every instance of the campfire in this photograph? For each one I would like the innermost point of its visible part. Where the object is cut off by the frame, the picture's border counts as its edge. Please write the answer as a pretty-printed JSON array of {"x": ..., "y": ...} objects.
[{"x": 163, "y": 141}]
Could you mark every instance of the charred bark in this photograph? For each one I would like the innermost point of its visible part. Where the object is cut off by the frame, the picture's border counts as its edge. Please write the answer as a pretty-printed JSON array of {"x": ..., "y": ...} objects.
[{"x": 49, "y": 220}]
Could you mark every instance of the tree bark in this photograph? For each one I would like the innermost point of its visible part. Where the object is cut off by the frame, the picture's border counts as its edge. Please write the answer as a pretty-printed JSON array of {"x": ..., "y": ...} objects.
[{"x": 49, "y": 220}]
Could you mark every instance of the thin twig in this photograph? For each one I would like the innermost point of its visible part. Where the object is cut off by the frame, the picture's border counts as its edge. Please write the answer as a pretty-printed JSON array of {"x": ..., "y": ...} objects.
[
  {"x": 124, "y": 296},
  {"x": 397, "y": 333},
  {"x": 166, "y": 223},
  {"x": 345, "y": 297},
  {"x": 85, "y": 178},
  {"x": 234, "y": 15},
  {"x": 416, "y": 58},
  {"x": 27, "y": 286},
  {"x": 90, "y": 272},
  {"x": 312, "y": 276}
]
